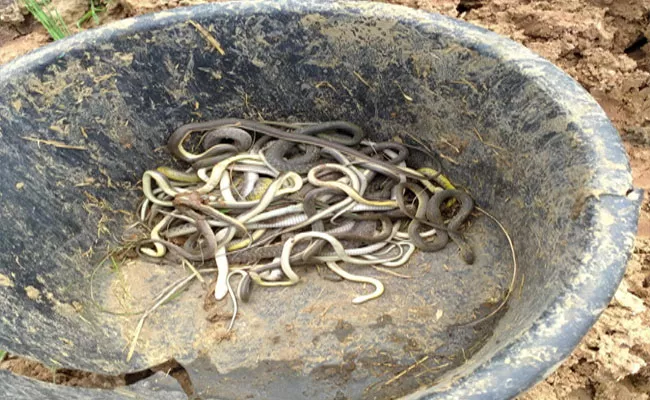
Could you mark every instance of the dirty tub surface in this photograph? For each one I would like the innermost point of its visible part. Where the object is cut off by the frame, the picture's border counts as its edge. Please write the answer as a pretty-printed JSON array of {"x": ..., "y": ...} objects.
[{"x": 530, "y": 145}]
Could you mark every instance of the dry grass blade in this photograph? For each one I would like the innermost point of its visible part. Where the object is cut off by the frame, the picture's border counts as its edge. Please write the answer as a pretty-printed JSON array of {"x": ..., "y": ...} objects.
[
  {"x": 325, "y": 84},
  {"x": 110, "y": 256},
  {"x": 162, "y": 298},
  {"x": 514, "y": 272},
  {"x": 206, "y": 34},
  {"x": 362, "y": 79},
  {"x": 180, "y": 285},
  {"x": 401, "y": 374},
  {"x": 54, "y": 143}
]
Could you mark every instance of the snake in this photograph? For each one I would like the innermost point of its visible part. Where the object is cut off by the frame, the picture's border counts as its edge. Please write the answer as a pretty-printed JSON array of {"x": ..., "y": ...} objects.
[
  {"x": 466, "y": 206},
  {"x": 295, "y": 194},
  {"x": 302, "y": 135}
]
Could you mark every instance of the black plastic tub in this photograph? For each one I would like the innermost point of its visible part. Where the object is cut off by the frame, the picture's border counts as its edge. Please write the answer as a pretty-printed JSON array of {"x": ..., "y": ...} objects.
[{"x": 531, "y": 146}]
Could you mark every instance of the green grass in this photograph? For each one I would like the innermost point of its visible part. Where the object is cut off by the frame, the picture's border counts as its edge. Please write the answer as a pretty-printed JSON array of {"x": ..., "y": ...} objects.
[
  {"x": 92, "y": 13},
  {"x": 49, "y": 17},
  {"x": 3, "y": 354}
]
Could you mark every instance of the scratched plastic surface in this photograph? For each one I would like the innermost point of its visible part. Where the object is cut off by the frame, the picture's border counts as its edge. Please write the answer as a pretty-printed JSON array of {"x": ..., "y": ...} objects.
[{"x": 523, "y": 138}]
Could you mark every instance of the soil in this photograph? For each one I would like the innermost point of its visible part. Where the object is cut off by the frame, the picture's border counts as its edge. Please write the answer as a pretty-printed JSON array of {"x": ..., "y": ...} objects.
[{"x": 604, "y": 45}]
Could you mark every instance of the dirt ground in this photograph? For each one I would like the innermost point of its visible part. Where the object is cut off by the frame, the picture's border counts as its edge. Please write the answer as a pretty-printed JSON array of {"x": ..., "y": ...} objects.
[{"x": 601, "y": 43}]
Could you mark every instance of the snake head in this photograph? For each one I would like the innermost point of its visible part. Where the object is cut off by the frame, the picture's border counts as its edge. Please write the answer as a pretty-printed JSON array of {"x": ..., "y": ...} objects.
[{"x": 467, "y": 254}]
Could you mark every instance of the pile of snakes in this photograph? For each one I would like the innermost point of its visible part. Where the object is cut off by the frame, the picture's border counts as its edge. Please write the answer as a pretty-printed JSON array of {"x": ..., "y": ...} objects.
[{"x": 260, "y": 198}]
